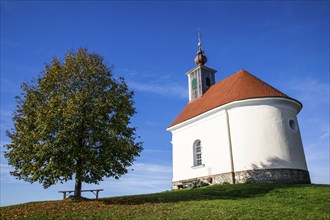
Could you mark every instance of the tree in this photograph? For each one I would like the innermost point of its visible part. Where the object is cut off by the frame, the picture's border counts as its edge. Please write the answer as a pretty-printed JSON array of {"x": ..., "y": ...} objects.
[{"x": 73, "y": 121}]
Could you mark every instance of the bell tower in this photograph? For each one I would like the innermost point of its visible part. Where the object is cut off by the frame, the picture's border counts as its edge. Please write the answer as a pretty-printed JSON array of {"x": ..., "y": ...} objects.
[{"x": 201, "y": 77}]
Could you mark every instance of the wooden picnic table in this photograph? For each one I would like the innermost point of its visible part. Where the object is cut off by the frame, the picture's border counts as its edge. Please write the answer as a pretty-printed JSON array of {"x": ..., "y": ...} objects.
[{"x": 94, "y": 191}]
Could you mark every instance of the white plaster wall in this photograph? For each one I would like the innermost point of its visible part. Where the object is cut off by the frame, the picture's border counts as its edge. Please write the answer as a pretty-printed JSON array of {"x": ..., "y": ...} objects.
[
  {"x": 261, "y": 137},
  {"x": 212, "y": 132}
]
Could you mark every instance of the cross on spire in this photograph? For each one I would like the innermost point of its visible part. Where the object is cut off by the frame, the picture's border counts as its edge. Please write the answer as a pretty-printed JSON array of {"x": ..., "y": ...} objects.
[
  {"x": 200, "y": 58},
  {"x": 199, "y": 36}
]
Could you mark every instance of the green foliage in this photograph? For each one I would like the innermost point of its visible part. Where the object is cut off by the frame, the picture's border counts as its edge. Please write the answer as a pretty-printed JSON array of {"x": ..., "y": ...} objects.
[
  {"x": 74, "y": 119},
  {"x": 241, "y": 201}
]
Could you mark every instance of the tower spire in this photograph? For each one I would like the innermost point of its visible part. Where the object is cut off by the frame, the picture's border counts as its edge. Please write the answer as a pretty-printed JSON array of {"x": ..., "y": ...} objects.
[{"x": 200, "y": 58}]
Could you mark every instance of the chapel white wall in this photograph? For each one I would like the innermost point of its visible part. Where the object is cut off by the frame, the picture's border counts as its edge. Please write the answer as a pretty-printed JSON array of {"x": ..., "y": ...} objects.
[{"x": 261, "y": 138}]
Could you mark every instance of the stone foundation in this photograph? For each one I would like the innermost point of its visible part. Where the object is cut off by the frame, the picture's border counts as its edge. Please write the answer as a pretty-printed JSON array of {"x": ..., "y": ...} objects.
[{"x": 288, "y": 176}]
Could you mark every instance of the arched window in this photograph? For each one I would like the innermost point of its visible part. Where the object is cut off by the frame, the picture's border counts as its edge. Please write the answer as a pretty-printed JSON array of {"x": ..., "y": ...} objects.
[
  {"x": 197, "y": 153},
  {"x": 208, "y": 81}
]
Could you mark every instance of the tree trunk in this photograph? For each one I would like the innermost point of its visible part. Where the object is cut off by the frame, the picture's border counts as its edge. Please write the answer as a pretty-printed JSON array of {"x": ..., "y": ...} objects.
[
  {"x": 77, "y": 189},
  {"x": 79, "y": 171}
]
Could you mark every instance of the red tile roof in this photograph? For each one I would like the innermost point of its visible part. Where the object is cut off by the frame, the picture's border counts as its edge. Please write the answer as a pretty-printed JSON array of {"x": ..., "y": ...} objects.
[{"x": 239, "y": 86}]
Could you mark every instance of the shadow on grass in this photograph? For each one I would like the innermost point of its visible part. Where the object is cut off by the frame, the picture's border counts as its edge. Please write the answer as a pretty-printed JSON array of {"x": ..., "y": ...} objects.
[{"x": 215, "y": 192}]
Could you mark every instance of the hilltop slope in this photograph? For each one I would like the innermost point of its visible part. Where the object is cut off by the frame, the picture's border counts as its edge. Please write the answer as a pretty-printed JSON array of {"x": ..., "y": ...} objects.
[{"x": 242, "y": 201}]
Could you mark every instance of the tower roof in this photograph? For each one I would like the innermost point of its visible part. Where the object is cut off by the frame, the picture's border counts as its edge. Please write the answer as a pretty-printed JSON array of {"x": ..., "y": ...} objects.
[
  {"x": 200, "y": 58},
  {"x": 241, "y": 85}
]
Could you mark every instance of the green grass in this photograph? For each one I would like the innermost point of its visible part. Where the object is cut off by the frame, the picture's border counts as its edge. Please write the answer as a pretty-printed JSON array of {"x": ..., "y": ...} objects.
[{"x": 241, "y": 201}]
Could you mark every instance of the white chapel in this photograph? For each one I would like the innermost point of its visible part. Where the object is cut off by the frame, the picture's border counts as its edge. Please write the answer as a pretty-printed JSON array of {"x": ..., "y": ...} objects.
[{"x": 237, "y": 130}]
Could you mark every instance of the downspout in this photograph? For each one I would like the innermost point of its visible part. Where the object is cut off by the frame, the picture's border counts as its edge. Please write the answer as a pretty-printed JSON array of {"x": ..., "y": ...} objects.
[{"x": 230, "y": 149}]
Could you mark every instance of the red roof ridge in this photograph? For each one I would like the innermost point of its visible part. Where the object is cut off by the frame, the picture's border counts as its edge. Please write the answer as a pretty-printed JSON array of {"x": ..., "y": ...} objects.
[{"x": 238, "y": 86}]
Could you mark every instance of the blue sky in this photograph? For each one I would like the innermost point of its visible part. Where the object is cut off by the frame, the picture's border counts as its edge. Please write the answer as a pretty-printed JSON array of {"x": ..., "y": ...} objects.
[{"x": 152, "y": 45}]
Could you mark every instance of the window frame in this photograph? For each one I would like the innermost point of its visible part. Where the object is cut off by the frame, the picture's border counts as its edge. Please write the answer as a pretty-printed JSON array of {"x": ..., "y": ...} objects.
[
  {"x": 197, "y": 154},
  {"x": 293, "y": 125}
]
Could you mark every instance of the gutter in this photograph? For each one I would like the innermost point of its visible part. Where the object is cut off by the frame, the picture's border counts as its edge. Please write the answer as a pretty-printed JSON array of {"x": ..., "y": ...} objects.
[{"x": 230, "y": 149}]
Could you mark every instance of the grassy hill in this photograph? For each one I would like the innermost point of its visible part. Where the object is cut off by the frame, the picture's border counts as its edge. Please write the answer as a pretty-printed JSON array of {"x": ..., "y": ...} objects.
[{"x": 242, "y": 201}]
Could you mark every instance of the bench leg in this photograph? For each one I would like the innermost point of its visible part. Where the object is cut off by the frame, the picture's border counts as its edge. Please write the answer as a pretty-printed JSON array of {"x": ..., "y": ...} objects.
[
  {"x": 97, "y": 194},
  {"x": 64, "y": 195}
]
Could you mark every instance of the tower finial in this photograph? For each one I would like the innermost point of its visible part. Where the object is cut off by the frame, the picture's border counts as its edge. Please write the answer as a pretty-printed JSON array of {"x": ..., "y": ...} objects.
[
  {"x": 200, "y": 58},
  {"x": 199, "y": 36}
]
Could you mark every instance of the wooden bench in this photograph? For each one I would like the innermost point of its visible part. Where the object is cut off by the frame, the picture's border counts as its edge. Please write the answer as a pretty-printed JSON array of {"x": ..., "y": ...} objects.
[{"x": 94, "y": 191}]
